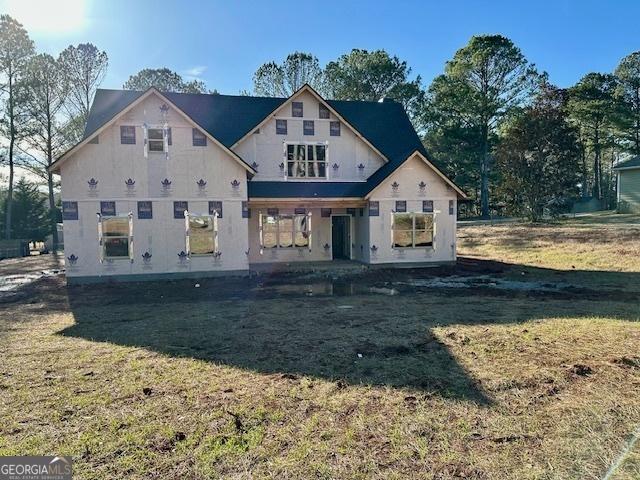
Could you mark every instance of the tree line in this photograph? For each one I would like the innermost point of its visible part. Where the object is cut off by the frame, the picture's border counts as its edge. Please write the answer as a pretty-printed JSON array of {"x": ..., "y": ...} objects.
[
  {"x": 495, "y": 123},
  {"x": 510, "y": 138}
]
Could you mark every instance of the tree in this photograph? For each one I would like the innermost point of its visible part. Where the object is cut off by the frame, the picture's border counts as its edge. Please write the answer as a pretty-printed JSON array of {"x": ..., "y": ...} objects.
[
  {"x": 84, "y": 68},
  {"x": 593, "y": 109},
  {"x": 31, "y": 213},
  {"x": 451, "y": 134},
  {"x": 372, "y": 76},
  {"x": 164, "y": 80},
  {"x": 15, "y": 49},
  {"x": 491, "y": 78},
  {"x": 539, "y": 157},
  {"x": 628, "y": 93},
  {"x": 281, "y": 80},
  {"x": 44, "y": 101}
]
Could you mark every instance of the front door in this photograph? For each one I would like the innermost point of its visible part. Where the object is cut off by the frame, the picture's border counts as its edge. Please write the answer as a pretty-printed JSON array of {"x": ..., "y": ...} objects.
[{"x": 341, "y": 237}]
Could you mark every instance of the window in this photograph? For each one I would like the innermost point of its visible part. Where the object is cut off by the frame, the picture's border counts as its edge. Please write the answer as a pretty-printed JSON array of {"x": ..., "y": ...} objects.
[
  {"x": 202, "y": 236},
  {"x": 69, "y": 210},
  {"x": 108, "y": 209},
  {"x": 452, "y": 208},
  {"x": 306, "y": 161},
  {"x": 334, "y": 129},
  {"x": 412, "y": 230},
  {"x": 127, "y": 135},
  {"x": 401, "y": 206},
  {"x": 281, "y": 127},
  {"x": 284, "y": 231},
  {"x": 179, "y": 208},
  {"x": 215, "y": 206},
  {"x": 95, "y": 140},
  {"x": 296, "y": 109},
  {"x": 145, "y": 210},
  {"x": 115, "y": 239},
  {"x": 308, "y": 127},
  {"x": 198, "y": 138},
  {"x": 323, "y": 111},
  {"x": 156, "y": 139},
  {"x": 427, "y": 206},
  {"x": 246, "y": 211}
]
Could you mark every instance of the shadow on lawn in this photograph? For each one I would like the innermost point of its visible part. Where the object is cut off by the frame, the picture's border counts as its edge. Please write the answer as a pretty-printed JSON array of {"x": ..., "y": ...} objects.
[{"x": 341, "y": 330}]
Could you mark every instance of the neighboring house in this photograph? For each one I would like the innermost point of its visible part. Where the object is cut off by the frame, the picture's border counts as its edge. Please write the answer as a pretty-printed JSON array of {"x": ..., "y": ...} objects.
[
  {"x": 197, "y": 185},
  {"x": 628, "y": 194}
]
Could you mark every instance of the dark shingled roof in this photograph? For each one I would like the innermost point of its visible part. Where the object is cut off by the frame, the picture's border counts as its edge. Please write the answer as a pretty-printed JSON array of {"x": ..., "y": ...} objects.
[
  {"x": 633, "y": 162},
  {"x": 228, "y": 118}
]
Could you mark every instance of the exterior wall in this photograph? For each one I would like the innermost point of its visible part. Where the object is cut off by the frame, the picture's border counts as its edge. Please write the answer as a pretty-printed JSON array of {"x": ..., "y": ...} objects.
[
  {"x": 111, "y": 163},
  {"x": 407, "y": 178},
  {"x": 629, "y": 191},
  {"x": 347, "y": 150}
]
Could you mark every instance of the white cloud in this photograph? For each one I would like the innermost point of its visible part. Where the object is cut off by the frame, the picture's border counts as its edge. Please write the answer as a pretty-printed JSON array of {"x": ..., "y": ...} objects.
[{"x": 195, "y": 72}]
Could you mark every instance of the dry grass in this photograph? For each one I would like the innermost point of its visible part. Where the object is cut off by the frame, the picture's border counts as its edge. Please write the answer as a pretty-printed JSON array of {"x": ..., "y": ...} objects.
[
  {"x": 575, "y": 244},
  {"x": 169, "y": 381}
]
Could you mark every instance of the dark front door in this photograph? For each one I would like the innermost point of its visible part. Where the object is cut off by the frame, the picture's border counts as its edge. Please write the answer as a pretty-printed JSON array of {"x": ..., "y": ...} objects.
[{"x": 341, "y": 237}]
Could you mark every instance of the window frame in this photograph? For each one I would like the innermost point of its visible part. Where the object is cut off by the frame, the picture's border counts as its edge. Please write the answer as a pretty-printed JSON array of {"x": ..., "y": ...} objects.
[
  {"x": 103, "y": 238},
  {"x": 306, "y": 160},
  {"x": 413, "y": 230},
  {"x": 189, "y": 236},
  {"x": 297, "y": 219},
  {"x": 158, "y": 140}
]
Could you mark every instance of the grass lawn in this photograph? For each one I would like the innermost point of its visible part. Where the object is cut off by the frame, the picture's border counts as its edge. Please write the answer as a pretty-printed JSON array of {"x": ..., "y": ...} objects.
[{"x": 525, "y": 366}]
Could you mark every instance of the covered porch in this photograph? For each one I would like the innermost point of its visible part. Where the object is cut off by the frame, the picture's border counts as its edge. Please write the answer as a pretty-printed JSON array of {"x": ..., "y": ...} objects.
[{"x": 308, "y": 230}]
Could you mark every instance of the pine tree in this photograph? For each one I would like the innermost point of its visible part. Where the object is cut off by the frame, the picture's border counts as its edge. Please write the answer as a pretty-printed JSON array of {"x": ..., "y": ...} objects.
[{"x": 31, "y": 215}]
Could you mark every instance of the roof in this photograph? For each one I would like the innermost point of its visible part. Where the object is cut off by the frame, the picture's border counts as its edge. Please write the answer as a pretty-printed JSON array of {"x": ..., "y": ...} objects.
[
  {"x": 228, "y": 118},
  {"x": 633, "y": 162}
]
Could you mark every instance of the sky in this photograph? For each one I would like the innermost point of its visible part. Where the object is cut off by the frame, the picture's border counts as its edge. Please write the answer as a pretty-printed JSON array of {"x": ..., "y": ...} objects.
[{"x": 224, "y": 42}]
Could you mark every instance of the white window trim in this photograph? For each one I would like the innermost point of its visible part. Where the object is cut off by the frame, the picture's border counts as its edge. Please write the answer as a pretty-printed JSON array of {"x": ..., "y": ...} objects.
[
  {"x": 294, "y": 231},
  {"x": 216, "y": 250},
  {"x": 146, "y": 140},
  {"x": 101, "y": 243},
  {"x": 413, "y": 230},
  {"x": 285, "y": 160}
]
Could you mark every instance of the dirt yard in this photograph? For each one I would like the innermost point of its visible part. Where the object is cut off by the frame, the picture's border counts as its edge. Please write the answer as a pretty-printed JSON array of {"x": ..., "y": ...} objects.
[{"x": 522, "y": 362}]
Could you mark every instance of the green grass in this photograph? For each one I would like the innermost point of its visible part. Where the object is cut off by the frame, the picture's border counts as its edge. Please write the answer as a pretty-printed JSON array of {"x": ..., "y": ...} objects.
[{"x": 257, "y": 379}]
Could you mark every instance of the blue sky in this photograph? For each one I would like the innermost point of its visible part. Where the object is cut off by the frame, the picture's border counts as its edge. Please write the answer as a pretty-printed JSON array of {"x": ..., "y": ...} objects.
[{"x": 224, "y": 42}]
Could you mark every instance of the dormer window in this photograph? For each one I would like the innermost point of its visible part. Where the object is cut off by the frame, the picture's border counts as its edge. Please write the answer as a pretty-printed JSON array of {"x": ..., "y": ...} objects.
[
  {"x": 296, "y": 109},
  {"x": 156, "y": 139},
  {"x": 323, "y": 111}
]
